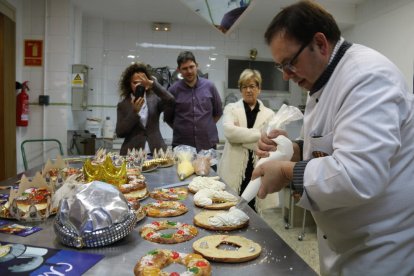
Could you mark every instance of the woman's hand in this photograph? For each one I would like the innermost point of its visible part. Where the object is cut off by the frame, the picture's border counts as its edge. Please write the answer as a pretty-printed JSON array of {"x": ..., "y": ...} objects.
[
  {"x": 137, "y": 104},
  {"x": 266, "y": 144},
  {"x": 144, "y": 81}
]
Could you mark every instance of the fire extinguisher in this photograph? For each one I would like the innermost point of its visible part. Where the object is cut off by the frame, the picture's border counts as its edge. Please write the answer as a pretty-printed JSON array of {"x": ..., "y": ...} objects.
[{"x": 22, "y": 106}]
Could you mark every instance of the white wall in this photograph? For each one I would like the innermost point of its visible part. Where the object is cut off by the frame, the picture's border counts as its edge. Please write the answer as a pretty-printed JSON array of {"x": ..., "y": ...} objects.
[
  {"x": 388, "y": 27},
  {"x": 381, "y": 24},
  {"x": 106, "y": 45},
  {"x": 51, "y": 21}
]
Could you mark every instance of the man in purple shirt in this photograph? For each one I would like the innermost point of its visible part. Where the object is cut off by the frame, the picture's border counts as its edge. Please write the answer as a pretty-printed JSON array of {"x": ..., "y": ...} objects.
[{"x": 197, "y": 107}]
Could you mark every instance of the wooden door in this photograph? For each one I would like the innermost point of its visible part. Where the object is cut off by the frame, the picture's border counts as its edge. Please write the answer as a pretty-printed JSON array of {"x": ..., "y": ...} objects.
[{"x": 7, "y": 93}]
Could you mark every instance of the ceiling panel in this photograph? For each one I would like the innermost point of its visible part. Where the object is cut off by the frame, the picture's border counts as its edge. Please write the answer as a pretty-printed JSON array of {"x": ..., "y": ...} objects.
[{"x": 256, "y": 17}]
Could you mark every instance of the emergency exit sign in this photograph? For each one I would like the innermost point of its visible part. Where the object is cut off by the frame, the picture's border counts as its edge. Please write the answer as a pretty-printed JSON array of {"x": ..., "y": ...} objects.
[{"x": 33, "y": 52}]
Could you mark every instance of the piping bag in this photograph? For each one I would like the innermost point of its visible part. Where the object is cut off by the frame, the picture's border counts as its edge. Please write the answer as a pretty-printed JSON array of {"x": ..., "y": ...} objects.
[
  {"x": 284, "y": 152},
  {"x": 185, "y": 155}
]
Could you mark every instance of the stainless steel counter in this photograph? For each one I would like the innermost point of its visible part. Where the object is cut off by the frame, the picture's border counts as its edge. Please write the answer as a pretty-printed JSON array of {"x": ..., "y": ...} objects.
[{"x": 276, "y": 258}]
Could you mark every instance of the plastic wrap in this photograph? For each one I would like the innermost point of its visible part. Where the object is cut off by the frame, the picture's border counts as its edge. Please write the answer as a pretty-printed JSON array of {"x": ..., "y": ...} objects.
[
  {"x": 201, "y": 165},
  {"x": 185, "y": 155},
  {"x": 211, "y": 154},
  {"x": 284, "y": 116}
]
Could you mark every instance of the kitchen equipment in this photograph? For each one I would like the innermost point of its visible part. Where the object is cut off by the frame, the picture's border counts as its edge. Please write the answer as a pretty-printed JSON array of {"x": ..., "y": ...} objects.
[{"x": 94, "y": 126}]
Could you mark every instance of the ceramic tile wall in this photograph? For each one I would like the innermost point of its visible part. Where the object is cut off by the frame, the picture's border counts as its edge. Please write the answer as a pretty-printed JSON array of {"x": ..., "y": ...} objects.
[
  {"x": 52, "y": 22},
  {"x": 107, "y": 44}
]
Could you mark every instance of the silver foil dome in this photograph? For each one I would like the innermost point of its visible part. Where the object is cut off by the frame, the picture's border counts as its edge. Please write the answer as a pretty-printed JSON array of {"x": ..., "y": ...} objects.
[{"x": 97, "y": 214}]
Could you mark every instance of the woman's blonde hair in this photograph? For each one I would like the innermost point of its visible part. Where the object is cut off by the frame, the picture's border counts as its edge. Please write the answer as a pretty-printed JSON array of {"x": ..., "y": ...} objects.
[{"x": 249, "y": 74}]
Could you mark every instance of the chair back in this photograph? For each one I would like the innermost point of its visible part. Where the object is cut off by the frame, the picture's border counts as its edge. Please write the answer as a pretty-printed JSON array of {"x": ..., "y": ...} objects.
[{"x": 56, "y": 141}]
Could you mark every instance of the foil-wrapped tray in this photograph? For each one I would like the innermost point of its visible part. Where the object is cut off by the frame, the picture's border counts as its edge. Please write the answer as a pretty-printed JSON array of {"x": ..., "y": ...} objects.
[{"x": 97, "y": 238}]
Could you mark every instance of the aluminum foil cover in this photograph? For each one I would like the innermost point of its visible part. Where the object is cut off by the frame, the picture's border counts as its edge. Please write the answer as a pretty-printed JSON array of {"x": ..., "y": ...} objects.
[{"x": 93, "y": 206}]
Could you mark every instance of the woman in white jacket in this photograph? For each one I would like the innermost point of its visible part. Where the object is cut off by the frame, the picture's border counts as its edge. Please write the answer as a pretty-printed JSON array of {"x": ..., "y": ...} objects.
[{"x": 242, "y": 122}]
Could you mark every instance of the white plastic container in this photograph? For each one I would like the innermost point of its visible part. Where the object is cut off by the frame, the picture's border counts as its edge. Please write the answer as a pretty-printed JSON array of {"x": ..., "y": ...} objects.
[
  {"x": 94, "y": 126},
  {"x": 108, "y": 129}
]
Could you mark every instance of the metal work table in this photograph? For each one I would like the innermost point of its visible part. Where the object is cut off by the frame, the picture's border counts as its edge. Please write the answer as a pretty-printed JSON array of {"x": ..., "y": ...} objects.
[{"x": 276, "y": 258}]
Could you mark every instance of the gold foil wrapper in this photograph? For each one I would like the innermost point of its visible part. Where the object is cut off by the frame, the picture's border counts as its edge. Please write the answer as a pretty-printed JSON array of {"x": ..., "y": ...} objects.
[{"x": 105, "y": 172}]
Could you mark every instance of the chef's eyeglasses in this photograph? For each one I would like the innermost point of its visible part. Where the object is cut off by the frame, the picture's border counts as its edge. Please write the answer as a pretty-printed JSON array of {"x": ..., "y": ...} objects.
[{"x": 289, "y": 66}]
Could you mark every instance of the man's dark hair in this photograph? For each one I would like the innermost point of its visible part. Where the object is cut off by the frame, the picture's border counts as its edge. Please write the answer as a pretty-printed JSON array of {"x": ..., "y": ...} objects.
[
  {"x": 185, "y": 56},
  {"x": 301, "y": 21}
]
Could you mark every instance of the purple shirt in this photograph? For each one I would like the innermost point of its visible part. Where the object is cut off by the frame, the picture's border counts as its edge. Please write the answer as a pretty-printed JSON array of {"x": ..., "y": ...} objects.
[{"x": 192, "y": 117}]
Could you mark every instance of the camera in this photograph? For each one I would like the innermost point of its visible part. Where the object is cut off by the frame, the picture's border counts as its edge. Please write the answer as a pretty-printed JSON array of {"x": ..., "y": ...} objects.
[{"x": 139, "y": 91}]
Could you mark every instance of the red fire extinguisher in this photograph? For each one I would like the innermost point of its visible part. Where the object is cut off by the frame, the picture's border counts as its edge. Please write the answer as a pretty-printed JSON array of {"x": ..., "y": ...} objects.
[{"x": 22, "y": 106}]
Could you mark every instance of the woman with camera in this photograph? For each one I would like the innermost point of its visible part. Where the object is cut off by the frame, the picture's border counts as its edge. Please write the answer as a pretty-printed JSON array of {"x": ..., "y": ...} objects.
[{"x": 138, "y": 113}]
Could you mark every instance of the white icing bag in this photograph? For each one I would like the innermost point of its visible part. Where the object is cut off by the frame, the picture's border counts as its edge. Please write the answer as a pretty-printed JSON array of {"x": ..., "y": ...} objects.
[{"x": 284, "y": 152}]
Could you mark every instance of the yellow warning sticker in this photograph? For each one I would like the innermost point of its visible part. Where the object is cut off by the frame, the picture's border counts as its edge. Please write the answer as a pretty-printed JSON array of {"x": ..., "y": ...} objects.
[{"x": 77, "y": 80}]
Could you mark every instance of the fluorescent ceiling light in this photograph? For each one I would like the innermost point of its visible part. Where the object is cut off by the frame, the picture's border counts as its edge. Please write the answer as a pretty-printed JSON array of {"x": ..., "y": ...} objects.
[{"x": 170, "y": 46}]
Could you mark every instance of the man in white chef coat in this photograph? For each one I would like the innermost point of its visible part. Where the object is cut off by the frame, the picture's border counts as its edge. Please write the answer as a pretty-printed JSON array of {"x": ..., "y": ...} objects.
[{"x": 354, "y": 166}]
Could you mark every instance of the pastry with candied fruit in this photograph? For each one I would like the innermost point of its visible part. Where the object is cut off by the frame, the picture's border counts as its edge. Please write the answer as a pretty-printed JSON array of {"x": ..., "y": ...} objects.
[{"x": 156, "y": 260}]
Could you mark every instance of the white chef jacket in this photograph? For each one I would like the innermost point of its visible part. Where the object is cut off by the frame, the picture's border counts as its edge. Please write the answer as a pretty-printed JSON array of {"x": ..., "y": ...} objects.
[{"x": 362, "y": 194}]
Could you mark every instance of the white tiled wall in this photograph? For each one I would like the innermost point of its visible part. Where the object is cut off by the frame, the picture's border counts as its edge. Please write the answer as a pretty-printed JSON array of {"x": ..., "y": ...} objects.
[
  {"x": 104, "y": 47},
  {"x": 52, "y": 22}
]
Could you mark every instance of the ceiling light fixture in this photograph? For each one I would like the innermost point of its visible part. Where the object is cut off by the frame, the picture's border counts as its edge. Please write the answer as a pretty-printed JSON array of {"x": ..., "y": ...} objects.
[
  {"x": 161, "y": 27},
  {"x": 172, "y": 46},
  {"x": 253, "y": 53}
]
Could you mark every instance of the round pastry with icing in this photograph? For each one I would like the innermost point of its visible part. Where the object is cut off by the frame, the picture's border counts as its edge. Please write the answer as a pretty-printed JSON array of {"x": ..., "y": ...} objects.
[
  {"x": 156, "y": 260},
  {"x": 222, "y": 220},
  {"x": 135, "y": 189},
  {"x": 170, "y": 193},
  {"x": 162, "y": 209},
  {"x": 215, "y": 200},
  {"x": 206, "y": 182},
  {"x": 136, "y": 179},
  {"x": 68, "y": 171},
  {"x": 138, "y": 209},
  {"x": 208, "y": 247},
  {"x": 184, "y": 232},
  {"x": 39, "y": 197}
]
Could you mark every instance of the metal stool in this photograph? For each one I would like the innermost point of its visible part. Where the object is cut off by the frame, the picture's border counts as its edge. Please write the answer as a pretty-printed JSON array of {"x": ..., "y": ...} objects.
[
  {"x": 292, "y": 196},
  {"x": 302, "y": 234},
  {"x": 37, "y": 140}
]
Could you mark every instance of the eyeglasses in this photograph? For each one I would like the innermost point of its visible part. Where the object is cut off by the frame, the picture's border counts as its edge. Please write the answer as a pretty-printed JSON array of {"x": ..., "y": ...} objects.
[
  {"x": 289, "y": 66},
  {"x": 251, "y": 87}
]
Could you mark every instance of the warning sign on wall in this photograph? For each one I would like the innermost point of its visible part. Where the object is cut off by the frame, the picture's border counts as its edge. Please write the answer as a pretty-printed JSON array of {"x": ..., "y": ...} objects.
[
  {"x": 78, "y": 80},
  {"x": 33, "y": 52}
]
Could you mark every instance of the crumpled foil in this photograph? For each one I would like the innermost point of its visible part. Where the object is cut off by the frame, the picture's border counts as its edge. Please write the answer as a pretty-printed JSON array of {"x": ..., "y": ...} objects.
[{"x": 97, "y": 214}]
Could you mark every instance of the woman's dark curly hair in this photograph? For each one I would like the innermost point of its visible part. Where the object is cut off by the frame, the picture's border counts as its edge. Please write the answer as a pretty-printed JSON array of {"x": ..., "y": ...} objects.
[{"x": 125, "y": 81}]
